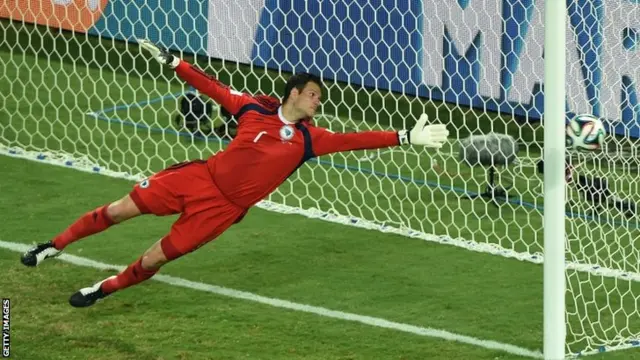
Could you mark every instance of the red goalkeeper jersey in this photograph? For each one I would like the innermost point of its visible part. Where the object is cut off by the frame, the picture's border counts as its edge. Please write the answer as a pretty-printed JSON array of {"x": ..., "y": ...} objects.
[{"x": 267, "y": 148}]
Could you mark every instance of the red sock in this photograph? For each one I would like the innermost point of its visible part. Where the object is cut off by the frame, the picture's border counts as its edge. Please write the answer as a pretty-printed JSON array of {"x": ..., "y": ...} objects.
[
  {"x": 88, "y": 224},
  {"x": 132, "y": 275}
]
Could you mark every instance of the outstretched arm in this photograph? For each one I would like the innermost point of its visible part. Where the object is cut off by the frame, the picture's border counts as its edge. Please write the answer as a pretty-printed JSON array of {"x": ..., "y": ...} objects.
[
  {"x": 327, "y": 142},
  {"x": 207, "y": 84}
]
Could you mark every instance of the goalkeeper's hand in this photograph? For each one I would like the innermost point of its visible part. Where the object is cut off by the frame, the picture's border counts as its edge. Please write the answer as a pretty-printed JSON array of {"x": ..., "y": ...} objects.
[
  {"x": 160, "y": 55},
  {"x": 432, "y": 136}
]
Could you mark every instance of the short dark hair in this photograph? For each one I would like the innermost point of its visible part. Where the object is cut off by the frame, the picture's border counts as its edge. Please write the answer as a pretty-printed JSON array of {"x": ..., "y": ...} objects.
[{"x": 299, "y": 81}]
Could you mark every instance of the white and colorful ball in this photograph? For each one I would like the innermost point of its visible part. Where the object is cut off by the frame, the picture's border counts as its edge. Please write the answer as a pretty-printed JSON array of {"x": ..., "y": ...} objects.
[{"x": 586, "y": 133}]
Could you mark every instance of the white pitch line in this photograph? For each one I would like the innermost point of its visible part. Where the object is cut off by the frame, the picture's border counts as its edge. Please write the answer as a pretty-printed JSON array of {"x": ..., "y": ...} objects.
[{"x": 237, "y": 294}]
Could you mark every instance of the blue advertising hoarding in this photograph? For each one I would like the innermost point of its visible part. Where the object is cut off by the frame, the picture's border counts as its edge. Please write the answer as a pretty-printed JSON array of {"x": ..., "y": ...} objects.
[{"x": 482, "y": 53}]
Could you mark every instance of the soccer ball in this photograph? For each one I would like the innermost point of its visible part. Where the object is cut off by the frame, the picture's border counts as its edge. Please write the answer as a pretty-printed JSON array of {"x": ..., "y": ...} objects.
[{"x": 585, "y": 132}]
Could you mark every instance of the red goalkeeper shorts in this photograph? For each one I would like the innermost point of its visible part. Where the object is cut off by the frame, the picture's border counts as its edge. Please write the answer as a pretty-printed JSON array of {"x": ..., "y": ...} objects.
[{"x": 187, "y": 189}]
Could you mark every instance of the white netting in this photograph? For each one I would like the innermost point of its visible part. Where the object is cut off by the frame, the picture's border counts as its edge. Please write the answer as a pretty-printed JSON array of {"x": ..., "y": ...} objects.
[
  {"x": 89, "y": 99},
  {"x": 604, "y": 314}
]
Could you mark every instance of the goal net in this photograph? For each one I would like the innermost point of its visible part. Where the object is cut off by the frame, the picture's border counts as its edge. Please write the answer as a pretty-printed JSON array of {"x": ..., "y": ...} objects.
[{"x": 82, "y": 95}]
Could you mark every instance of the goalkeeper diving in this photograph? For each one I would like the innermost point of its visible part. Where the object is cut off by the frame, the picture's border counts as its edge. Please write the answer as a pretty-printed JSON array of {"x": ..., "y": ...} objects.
[{"x": 274, "y": 139}]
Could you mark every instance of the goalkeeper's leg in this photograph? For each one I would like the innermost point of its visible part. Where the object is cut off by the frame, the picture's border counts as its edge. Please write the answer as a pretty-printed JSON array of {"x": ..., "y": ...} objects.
[
  {"x": 90, "y": 223},
  {"x": 188, "y": 233},
  {"x": 140, "y": 270},
  {"x": 161, "y": 194}
]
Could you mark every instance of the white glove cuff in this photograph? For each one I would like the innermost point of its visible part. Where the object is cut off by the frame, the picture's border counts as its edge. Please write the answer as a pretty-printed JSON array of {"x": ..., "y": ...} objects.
[
  {"x": 403, "y": 137},
  {"x": 174, "y": 62}
]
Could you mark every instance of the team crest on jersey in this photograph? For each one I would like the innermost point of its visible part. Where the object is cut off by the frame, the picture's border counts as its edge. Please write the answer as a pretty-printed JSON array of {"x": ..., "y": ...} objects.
[
  {"x": 144, "y": 184},
  {"x": 286, "y": 133}
]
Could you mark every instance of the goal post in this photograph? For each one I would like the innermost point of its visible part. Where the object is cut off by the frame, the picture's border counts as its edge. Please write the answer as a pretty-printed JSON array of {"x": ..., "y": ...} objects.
[
  {"x": 76, "y": 91},
  {"x": 554, "y": 179}
]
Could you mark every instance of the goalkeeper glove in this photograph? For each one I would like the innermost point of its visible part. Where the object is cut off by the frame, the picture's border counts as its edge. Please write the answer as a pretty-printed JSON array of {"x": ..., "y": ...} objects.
[
  {"x": 432, "y": 136},
  {"x": 160, "y": 55}
]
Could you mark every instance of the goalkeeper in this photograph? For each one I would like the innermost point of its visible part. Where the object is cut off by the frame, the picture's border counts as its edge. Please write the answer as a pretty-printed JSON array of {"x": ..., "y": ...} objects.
[{"x": 274, "y": 139}]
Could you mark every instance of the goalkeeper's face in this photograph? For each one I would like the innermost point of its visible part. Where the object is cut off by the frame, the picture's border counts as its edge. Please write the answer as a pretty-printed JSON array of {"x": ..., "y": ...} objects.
[{"x": 307, "y": 101}]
